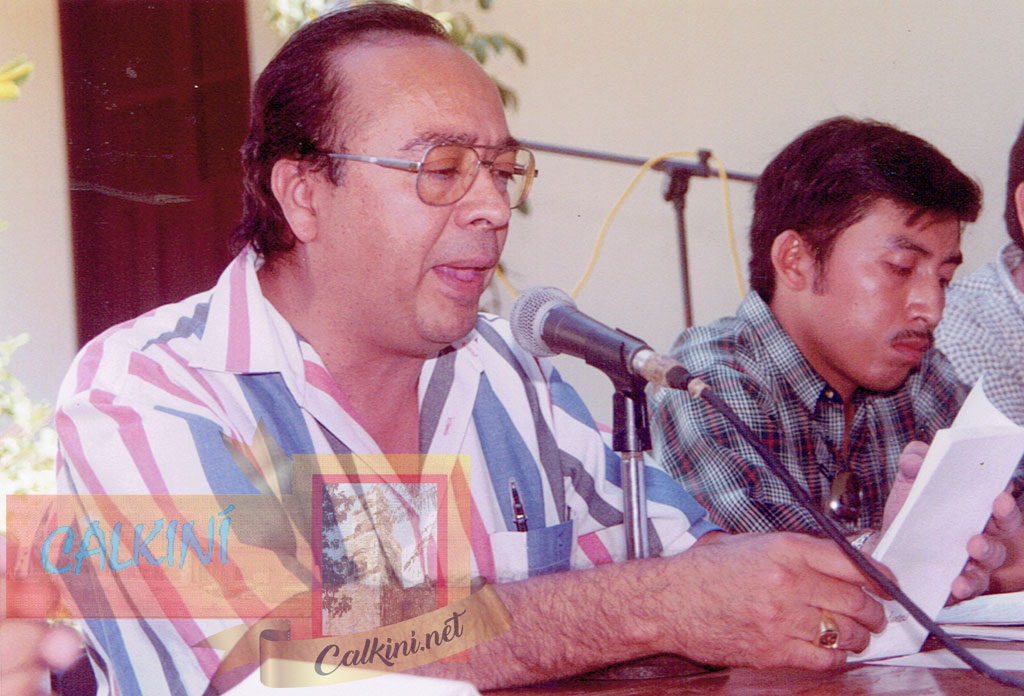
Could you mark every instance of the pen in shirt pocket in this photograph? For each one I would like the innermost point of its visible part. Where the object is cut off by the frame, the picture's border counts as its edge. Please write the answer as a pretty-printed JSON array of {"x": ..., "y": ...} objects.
[{"x": 518, "y": 511}]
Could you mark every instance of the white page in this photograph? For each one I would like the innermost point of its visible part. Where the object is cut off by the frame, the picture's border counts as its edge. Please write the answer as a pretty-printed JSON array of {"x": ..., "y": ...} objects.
[
  {"x": 1004, "y": 660},
  {"x": 950, "y": 501},
  {"x": 1002, "y": 608},
  {"x": 985, "y": 632}
]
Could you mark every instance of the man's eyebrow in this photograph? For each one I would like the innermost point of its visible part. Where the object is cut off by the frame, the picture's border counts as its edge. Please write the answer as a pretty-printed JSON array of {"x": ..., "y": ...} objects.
[
  {"x": 452, "y": 138},
  {"x": 910, "y": 244}
]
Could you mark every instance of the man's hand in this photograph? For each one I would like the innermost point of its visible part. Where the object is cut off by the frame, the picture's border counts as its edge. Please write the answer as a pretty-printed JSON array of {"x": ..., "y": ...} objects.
[
  {"x": 758, "y": 600},
  {"x": 1000, "y": 546},
  {"x": 1000, "y": 549},
  {"x": 731, "y": 600},
  {"x": 909, "y": 463}
]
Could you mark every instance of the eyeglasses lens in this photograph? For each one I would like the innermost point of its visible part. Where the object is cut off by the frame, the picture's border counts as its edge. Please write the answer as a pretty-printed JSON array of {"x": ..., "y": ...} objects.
[{"x": 448, "y": 172}]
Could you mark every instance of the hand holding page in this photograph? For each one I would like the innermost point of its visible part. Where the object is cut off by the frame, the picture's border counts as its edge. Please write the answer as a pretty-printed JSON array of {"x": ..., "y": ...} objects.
[{"x": 967, "y": 466}]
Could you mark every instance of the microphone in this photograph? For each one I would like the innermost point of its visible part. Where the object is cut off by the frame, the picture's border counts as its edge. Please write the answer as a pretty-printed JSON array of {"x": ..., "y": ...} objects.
[{"x": 545, "y": 322}]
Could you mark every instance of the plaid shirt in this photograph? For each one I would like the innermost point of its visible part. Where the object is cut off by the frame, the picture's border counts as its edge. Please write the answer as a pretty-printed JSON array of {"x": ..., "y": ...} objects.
[{"x": 757, "y": 369}]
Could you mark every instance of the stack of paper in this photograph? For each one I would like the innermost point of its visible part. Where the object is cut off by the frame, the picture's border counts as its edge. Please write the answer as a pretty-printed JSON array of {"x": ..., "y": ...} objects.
[
  {"x": 993, "y": 609},
  {"x": 989, "y": 617}
]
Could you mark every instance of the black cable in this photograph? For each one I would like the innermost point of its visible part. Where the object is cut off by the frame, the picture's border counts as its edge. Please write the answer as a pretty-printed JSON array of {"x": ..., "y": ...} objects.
[{"x": 698, "y": 388}]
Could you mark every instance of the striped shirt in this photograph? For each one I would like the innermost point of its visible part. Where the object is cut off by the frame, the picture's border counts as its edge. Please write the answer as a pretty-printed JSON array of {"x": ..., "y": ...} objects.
[
  {"x": 755, "y": 367},
  {"x": 144, "y": 407}
]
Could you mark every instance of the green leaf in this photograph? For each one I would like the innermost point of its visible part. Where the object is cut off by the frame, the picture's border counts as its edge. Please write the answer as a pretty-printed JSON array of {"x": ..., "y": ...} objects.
[
  {"x": 517, "y": 48},
  {"x": 509, "y": 99},
  {"x": 479, "y": 49}
]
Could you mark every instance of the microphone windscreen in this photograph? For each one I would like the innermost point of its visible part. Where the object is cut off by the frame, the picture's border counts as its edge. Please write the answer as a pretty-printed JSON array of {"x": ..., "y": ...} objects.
[{"x": 529, "y": 314}]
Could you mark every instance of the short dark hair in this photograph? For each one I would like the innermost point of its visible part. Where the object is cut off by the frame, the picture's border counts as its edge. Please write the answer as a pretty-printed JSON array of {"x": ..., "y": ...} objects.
[
  {"x": 1014, "y": 177},
  {"x": 830, "y": 176},
  {"x": 293, "y": 107}
]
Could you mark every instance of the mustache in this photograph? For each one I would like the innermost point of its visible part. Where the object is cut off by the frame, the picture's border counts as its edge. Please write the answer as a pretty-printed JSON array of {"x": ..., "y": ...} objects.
[{"x": 915, "y": 334}]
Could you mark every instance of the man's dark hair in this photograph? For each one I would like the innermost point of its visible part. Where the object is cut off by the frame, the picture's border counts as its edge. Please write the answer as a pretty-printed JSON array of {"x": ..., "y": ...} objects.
[
  {"x": 831, "y": 175},
  {"x": 1014, "y": 177},
  {"x": 295, "y": 106}
]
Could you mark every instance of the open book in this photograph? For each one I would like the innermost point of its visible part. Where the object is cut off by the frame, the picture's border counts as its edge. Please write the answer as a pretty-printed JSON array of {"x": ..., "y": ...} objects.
[{"x": 966, "y": 467}]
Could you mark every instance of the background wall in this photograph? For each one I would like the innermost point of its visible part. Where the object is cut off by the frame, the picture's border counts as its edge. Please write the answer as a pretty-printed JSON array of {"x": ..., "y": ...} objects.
[
  {"x": 741, "y": 78},
  {"x": 738, "y": 77},
  {"x": 36, "y": 285}
]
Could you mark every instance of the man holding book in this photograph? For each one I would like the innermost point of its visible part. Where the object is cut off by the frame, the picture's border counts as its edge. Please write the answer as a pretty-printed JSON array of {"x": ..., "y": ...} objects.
[{"x": 855, "y": 236}]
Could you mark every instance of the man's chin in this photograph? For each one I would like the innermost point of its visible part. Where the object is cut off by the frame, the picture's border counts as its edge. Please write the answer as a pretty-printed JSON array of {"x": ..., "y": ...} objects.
[
  {"x": 890, "y": 382},
  {"x": 448, "y": 332}
]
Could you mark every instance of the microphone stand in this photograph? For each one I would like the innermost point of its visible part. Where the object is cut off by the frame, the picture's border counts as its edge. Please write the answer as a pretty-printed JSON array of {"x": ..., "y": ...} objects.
[
  {"x": 631, "y": 438},
  {"x": 676, "y": 187}
]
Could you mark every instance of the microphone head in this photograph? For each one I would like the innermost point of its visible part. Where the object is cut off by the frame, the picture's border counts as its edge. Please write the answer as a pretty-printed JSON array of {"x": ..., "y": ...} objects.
[{"x": 529, "y": 314}]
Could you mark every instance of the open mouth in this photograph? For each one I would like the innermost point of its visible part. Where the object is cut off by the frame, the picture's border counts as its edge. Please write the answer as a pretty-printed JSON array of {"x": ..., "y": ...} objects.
[{"x": 465, "y": 279}]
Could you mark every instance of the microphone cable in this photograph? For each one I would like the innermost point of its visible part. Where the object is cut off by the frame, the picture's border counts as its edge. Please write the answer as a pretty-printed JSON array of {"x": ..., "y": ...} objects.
[{"x": 700, "y": 389}]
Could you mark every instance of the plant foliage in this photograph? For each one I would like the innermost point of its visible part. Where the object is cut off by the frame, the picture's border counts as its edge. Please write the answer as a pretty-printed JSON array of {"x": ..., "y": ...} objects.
[
  {"x": 285, "y": 16},
  {"x": 28, "y": 442}
]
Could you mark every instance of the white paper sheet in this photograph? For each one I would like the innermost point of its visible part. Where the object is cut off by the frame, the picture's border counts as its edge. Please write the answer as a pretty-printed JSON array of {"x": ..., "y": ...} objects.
[
  {"x": 966, "y": 467},
  {"x": 1008, "y": 660},
  {"x": 1005, "y": 608},
  {"x": 985, "y": 632}
]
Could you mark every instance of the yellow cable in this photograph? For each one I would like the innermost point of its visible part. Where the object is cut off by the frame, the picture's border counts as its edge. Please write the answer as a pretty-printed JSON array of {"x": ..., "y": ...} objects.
[
  {"x": 723, "y": 177},
  {"x": 615, "y": 209}
]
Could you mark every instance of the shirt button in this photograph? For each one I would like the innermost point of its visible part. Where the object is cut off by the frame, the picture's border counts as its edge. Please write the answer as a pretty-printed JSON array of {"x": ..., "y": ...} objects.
[{"x": 829, "y": 393}]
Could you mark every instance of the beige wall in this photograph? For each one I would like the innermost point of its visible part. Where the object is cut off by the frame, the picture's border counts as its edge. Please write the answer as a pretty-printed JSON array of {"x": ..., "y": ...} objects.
[
  {"x": 36, "y": 286},
  {"x": 738, "y": 77},
  {"x": 263, "y": 42}
]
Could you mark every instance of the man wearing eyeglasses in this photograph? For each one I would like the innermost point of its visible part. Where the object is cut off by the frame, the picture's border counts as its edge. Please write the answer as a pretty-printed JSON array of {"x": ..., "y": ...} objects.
[{"x": 380, "y": 176}]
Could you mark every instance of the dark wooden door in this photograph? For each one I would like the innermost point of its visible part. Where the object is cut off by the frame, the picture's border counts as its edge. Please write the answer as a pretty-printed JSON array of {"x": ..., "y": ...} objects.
[{"x": 156, "y": 96}]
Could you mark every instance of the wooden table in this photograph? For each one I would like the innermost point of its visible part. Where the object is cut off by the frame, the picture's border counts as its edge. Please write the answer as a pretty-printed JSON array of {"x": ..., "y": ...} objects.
[{"x": 853, "y": 680}]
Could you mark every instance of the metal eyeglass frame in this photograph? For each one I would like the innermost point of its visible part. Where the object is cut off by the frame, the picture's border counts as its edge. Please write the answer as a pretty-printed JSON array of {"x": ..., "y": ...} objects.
[{"x": 529, "y": 172}]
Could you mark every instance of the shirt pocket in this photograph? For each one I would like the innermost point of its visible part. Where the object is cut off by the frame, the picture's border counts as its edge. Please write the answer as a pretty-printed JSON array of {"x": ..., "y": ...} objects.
[{"x": 519, "y": 555}]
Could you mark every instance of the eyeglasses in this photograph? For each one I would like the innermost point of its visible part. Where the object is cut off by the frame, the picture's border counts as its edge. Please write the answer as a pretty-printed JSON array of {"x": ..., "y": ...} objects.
[{"x": 447, "y": 172}]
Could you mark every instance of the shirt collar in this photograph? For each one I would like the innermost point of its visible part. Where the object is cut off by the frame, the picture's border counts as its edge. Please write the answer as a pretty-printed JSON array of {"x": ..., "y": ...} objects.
[
  {"x": 1010, "y": 256},
  {"x": 786, "y": 359},
  {"x": 244, "y": 333}
]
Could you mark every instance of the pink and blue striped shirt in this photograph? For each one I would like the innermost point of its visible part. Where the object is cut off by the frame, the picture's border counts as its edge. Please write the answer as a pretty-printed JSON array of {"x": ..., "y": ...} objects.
[{"x": 144, "y": 407}]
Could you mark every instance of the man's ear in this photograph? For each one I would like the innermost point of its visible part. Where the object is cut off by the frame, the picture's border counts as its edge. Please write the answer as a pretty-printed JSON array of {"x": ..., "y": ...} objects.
[
  {"x": 793, "y": 261},
  {"x": 1018, "y": 200},
  {"x": 292, "y": 183}
]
